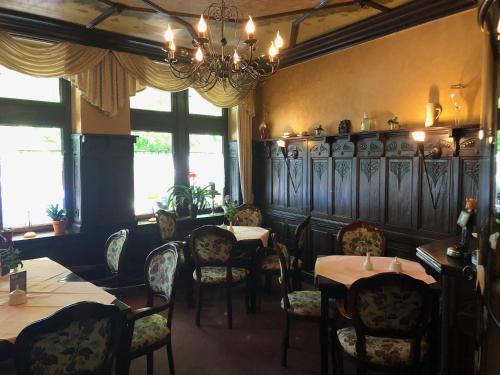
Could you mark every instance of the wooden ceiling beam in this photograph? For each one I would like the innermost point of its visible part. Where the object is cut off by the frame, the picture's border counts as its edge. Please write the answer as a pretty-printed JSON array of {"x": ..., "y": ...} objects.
[
  {"x": 115, "y": 8},
  {"x": 374, "y": 5},
  {"x": 294, "y": 33}
]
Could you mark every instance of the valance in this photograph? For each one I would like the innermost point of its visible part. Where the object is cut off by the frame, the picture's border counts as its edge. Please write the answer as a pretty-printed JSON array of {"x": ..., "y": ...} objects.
[{"x": 105, "y": 78}]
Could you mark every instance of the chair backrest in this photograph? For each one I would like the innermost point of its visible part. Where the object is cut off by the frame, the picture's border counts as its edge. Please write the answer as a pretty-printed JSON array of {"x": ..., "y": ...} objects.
[
  {"x": 211, "y": 245},
  {"x": 390, "y": 305},
  {"x": 284, "y": 258},
  {"x": 358, "y": 238},
  {"x": 115, "y": 250},
  {"x": 78, "y": 339},
  {"x": 301, "y": 234},
  {"x": 160, "y": 271},
  {"x": 166, "y": 224},
  {"x": 248, "y": 215}
]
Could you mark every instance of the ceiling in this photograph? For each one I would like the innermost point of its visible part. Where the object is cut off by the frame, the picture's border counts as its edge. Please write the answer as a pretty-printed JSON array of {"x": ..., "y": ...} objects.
[{"x": 139, "y": 19}]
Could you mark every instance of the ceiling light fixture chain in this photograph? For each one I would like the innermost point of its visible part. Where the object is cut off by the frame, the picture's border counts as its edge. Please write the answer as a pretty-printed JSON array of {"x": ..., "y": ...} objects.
[{"x": 213, "y": 64}]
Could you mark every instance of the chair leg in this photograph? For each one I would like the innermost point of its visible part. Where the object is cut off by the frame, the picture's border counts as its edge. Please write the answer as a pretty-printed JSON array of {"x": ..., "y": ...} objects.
[
  {"x": 170, "y": 356},
  {"x": 150, "y": 363},
  {"x": 229, "y": 307},
  {"x": 285, "y": 344},
  {"x": 199, "y": 292}
]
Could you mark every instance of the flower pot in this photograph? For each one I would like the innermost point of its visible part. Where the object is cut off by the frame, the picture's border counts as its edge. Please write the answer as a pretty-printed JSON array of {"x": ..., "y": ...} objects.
[
  {"x": 59, "y": 227},
  {"x": 193, "y": 210}
]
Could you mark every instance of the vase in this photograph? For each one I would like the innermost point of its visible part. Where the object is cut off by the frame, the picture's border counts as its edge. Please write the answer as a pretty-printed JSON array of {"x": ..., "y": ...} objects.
[
  {"x": 231, "y": 229},
  {"x": 59, "y": 227},
  {"x": 193, "y": 210}
]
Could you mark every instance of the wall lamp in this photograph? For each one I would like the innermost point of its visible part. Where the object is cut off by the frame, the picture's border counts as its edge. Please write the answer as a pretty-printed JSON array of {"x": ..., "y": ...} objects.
[
  {"x": 435, "y": 153},
  {"x": 284, "y": 149}
]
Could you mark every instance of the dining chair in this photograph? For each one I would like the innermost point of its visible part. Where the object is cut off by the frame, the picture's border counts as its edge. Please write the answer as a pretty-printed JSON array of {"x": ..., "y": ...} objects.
[
  {"x": 147, "y": 330},
  {"x": 390, "y": 315},
  {"x": 296, "y": 304},
  {"x": 359, "y": 237},
  {"x": 115, "y": 252},
  {"x": 248, "y": 215},
  {"x": 212, "y": 249},
  {"x": 270, "y": 263},
  {"x": 82, "y": 338}
]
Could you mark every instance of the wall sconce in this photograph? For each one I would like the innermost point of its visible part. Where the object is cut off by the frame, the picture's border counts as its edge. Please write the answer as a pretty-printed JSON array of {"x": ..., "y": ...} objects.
[
  {"x": 284, "y": 149},
  {"x": 436, "y": 152}
]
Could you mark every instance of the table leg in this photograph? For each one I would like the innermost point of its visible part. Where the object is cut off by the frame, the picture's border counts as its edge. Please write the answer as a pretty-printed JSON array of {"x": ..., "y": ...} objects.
[{"x": 323, "y": 331}]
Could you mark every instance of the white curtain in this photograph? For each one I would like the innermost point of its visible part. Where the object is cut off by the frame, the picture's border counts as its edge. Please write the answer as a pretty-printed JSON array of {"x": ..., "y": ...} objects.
[{"x": 246, "y": 113}]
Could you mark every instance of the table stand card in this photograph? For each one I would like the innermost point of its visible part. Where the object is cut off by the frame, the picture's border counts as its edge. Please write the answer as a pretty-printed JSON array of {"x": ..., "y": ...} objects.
[
  {"x": 18, "y": 280},
  {"x": 4, "y": 265}
]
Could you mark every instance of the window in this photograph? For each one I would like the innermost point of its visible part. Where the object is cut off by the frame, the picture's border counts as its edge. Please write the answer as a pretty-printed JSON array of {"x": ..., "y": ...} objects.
[
  {"x": 14, "y": 85},
  {"x": 31, "y": 174},
  {"x": 206, "y": 159},
  {"x": 199, "y": 106},
  {"x": 153, "y": 169},
  {"x": 152, "y": 99}
]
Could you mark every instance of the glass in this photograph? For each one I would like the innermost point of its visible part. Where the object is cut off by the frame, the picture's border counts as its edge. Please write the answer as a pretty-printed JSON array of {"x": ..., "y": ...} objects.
[
  {"x": 206, "y": 160},
  {"x": 151, "y": 99},
  {"x": 199, "y": 106},
  {"x": 153, "y": 169},
  {"x": 31, "y": 164},
  {"x": 458, "y": 102},
  {"x": 14, "y": 85}
]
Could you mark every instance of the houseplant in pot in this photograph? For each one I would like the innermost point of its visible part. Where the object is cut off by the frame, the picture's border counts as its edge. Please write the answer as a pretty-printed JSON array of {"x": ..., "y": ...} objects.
[
  {"x": 229, "y": 207},
  {"x": 58, "y": 216},
  {"x": 6, "y": 235}
]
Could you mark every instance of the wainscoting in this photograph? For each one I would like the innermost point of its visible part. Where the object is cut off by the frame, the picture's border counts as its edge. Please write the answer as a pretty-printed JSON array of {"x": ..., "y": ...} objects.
[{"x": 377, "y": 177}]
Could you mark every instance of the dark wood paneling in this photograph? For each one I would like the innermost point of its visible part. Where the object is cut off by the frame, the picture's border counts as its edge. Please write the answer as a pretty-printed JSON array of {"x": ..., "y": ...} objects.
[
  {"x": 370, "y": 194},
  {"x": 296, "y": 182},
  {"x": 342, "y": 188},
  {"x": 400, "y": 190}
]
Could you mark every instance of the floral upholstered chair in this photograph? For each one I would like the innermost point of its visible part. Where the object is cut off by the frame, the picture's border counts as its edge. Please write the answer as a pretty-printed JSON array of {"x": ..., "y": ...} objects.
[
  {"x": 248, "y": 215},
  {"x": 148, "y": 329},
  {"x": 358, "y": 238},
  {"x": 297, "y": 304},
  {"x": 115, "y": 252},
  {"x": 270, "y": 263},
  {"x": 213, "y": 251},
  {"x": 390, "y": 314},
  {"x": 166, "y": 226},
  {"x": 78, "y": 339}
]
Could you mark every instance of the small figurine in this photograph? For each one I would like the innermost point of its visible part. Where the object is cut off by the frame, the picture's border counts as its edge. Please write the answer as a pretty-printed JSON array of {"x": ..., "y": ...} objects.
[
  {"x": 393, "y": 123},
  {"x": 262, "y": 130},
  {"x": 318, "y": 130},
  {"x": 344, "y": 126},
  {"x": 466, "y": 221}
]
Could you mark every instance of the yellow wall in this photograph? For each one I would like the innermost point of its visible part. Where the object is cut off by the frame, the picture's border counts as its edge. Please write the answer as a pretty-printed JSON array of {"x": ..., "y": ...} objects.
[
  {"x": 86, "y": 119},
  {"x": 395, "y": 75}
]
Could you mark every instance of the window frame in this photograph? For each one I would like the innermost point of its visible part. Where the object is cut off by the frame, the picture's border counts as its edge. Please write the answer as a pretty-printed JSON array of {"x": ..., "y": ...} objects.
[
  {"x": 180, "y": 123},
  {"x": 21, "y": 112}
]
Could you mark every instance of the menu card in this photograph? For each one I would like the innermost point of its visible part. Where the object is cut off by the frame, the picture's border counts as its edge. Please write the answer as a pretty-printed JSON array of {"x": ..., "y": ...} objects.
[{"x": 18, "y": 280}]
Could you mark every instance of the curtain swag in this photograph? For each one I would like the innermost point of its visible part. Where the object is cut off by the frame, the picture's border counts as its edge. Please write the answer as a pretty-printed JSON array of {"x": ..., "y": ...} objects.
[{"x": 105, "y": 78}]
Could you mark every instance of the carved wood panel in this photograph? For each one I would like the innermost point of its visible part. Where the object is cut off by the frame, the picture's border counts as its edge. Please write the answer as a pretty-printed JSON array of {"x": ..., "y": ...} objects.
[
  {"x": 470, "y": 180},
  {"x": 400, "y": 192},
  {"x": 295, "y": 183},
  {"x": 342, "y": 188},
  {"x": 278, "y": 197},
  {"x": 437, "y": 180},
  {"x": 319, "y": 186},
  {"x": 369, "y": 190}
]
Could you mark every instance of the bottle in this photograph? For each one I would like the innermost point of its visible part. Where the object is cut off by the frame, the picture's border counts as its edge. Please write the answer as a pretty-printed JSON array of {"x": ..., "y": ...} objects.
[
  {"x": 367, "y": 265},
  {"x": 365, "y": 123}
]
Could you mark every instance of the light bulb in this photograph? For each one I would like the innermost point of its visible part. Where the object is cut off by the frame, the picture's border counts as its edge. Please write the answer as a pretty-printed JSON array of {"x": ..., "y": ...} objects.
[
  {"x": 281, "y": 143},
  {"x": 199, "y": 55},
  {"x": 202, "y": 25},
  {"x": 273, "y": 51},
  {"x": 236, "y": 57},
  {"x": 278, "y": 42},
  {"x": 169, "y": 34},
  {"x": 250, "y": 28},
  {"x": 418, "y": 136}
]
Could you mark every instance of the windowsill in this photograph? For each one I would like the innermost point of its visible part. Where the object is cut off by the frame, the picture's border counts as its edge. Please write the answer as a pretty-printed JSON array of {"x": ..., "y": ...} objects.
[
  {"x": 44, "y": 234},
  {"x": 183, "y": 218}
]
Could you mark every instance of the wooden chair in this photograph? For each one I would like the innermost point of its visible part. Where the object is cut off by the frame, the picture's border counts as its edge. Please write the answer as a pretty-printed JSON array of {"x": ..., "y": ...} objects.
[
  {"x": 248, "y": 215},
  {"x": 148, "y": 330},
  {"x": 270, "y": 263},
  {"x": 115, "y": 252},
  {"x": 78, "y": 339},
  {"x": 390, "y": 314},
  {"x": 359, "y": 237},
  {"x": 297, "y": 304},
  {"x": 212, "y": 249}
]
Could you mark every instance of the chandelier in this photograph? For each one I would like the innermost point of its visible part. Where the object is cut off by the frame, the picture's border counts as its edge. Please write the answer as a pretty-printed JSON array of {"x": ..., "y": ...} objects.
[{"x": 237, "y": 65}]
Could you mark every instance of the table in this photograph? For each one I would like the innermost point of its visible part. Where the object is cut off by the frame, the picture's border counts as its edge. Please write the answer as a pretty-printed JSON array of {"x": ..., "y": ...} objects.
[
  {"x": 244, "y": 233},
  {"x": 336, "y": 273},
  {"x": 46, "y": 294}
]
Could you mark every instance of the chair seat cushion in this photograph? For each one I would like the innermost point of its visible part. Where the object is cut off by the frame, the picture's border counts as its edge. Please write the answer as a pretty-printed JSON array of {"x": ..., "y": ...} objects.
[
  {"x": 272, "y": 263},
  {"x": 380, "y": 350},
  {"x": 305, "y": 303},
  {"x": 217, "y": 275},
  {"x": 148, "y": 331}
]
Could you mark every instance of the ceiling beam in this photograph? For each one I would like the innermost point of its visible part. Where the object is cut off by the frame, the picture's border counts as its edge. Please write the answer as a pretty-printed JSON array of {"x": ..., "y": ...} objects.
[
  {"x": 374, "y": 5},
  {"x": 296, "y": 24},
  {"x": 115, "y": 8}
]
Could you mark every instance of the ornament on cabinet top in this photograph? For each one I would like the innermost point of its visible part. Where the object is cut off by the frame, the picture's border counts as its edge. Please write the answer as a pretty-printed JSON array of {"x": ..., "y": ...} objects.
[{"x": 344, "y": 126}]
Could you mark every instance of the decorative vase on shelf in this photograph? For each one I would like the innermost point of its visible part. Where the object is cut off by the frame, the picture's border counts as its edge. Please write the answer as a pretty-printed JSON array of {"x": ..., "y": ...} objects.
[{"x": 193, "y": 210}]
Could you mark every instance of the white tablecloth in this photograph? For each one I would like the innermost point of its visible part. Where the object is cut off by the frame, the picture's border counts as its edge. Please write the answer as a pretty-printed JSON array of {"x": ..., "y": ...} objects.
[{"x": 250, "y": 233}]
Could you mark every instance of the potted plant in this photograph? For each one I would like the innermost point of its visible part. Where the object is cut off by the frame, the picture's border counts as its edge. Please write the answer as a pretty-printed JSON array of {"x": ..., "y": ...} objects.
[
  {"x": 14, "y": 258},
  {"x": 393, "y": 123},
  {"x": 229, "y": 207},
  {"x": 58, "y": 217}
]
